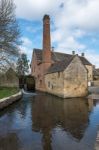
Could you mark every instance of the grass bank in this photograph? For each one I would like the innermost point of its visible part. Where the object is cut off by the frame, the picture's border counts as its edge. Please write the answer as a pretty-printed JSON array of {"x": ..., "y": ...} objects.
[{"x": 7, "y": 91}]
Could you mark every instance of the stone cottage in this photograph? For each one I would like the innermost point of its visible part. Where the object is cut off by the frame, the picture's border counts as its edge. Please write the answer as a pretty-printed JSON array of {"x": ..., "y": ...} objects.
[{"x": 61, "y": 74}]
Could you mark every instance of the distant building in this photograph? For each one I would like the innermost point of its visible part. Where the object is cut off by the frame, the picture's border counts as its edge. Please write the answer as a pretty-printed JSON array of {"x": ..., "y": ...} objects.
[
  {"x": 9, "y": 79},
  {"x": 61, "y": 74},
  {"x": 96, "y": 74}
]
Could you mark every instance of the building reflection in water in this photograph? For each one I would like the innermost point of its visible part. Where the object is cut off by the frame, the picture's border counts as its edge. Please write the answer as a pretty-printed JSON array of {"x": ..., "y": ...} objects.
[{"x": 71, "y": 115}]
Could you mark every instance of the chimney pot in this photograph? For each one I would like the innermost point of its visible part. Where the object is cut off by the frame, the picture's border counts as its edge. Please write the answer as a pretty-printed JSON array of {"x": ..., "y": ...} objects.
[
  {"x": 46, "y": 17},
  {"x": 73, "y": 52},
  {"x": 82, "y": 54}
]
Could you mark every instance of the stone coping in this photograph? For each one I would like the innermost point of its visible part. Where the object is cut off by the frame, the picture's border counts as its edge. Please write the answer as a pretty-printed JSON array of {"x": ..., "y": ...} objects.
[
  {"x": 97, "y": 142},
  {"x": 4, "y": 102},
  {"x": 93, "y": 96}
]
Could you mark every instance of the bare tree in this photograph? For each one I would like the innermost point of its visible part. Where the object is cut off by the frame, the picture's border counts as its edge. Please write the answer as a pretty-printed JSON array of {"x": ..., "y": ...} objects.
[{"x": 9, "y": 32}]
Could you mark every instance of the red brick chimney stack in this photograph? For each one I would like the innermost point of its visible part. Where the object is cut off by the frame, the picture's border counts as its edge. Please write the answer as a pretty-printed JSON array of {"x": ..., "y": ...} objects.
[{"x": 46, "y": 39}]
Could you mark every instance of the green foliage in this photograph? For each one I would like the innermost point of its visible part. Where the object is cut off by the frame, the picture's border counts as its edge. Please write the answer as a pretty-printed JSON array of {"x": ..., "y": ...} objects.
[
  {"x": 7, "y": 91},
  {"x": 22, "y": 65}
]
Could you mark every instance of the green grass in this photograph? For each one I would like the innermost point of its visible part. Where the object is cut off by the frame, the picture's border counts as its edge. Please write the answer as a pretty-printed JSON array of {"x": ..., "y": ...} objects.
[{"x": 7, "y": 91}]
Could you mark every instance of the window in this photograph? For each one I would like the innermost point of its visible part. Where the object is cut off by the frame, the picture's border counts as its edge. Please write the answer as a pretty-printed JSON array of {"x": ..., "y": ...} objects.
[
  {"x": 58, "y": 74},
  {"x": 34, "y": 68},
  {"x": 40, "y": 82}
]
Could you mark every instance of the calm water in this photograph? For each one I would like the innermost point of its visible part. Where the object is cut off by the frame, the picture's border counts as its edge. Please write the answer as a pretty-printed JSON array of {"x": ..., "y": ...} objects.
[{"x": 45, "y": 122}]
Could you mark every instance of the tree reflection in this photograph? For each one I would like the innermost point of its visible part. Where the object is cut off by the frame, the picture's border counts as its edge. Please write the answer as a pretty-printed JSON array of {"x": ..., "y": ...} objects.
[{"x": 9, "y": 142}]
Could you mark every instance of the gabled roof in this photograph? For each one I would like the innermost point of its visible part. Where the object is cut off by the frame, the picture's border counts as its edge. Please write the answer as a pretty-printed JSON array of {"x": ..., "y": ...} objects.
[
  {"x": 38, "y": 53},
  {"x": 57, "y": 56},
  {"x": 61, "y": 60},
  {"x": 60, "y": 65}
]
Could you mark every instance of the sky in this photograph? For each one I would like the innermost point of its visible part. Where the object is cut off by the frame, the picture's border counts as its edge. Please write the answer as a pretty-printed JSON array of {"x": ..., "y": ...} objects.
[{"x": 74, "y": 26}]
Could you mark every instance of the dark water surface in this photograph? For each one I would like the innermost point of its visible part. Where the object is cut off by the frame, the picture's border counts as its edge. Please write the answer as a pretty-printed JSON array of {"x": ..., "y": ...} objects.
[{"x": 46, "y": 122}]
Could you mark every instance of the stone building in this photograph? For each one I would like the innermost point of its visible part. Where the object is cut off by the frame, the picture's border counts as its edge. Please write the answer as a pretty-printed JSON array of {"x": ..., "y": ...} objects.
[
  {"x": 96, "y": 74},
  {"x": 95, "y": 77},
  {"x": 61, "y": 74},
  {"x": 9, "y": 79}
]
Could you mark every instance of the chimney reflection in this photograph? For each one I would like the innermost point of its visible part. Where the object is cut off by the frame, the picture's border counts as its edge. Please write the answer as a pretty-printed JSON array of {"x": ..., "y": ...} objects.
[{"x": 49, "y": 111}]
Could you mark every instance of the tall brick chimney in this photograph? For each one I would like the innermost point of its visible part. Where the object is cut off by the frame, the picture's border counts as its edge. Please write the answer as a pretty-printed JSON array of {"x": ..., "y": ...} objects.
[{"x": 46, "y": 40}]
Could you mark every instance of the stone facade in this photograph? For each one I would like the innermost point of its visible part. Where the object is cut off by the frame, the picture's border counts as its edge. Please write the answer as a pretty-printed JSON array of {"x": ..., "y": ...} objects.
[
  {"x": 96, "y": 74},
  {"x": 90, "y": 72},
  {"x": 72, "y": 82}
]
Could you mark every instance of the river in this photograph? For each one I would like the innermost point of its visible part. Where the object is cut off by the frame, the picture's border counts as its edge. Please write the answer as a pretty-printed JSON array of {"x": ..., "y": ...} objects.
[{"x": 44, "y": 122}]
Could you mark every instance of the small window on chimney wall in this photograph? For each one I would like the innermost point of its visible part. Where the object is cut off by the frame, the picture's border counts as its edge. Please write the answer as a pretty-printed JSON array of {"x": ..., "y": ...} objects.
[
  {"x": 34, "y": 69},
  {"x": 58, "y": 74},
  {"x": 40, "y": 82},
  {"x": 48, "y": 84}
]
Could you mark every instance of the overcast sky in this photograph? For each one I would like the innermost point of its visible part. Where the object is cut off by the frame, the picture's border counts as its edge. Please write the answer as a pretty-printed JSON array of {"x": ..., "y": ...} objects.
[{"x": 74, "y": 25}]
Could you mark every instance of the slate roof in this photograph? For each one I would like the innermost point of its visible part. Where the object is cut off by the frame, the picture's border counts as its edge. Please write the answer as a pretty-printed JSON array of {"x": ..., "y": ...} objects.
[
  {"x": 61, "y": 60},
  {"x": 60, "y": 65}
]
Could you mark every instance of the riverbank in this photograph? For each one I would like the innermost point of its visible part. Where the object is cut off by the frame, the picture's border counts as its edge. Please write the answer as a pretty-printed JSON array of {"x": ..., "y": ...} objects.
[
  {"x": 97, "y": 142},
  {"x": 44, "y": 121},
  {"x": 7, "y": 91},
  {"x": 4, "y": 102}
]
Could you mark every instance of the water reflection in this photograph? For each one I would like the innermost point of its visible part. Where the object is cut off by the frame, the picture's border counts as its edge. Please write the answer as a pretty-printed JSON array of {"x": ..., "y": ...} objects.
[
  {"x": 72, "y": 115},
  {"x": 10, "y": 142},
  {"x": 45, "y": 122}
]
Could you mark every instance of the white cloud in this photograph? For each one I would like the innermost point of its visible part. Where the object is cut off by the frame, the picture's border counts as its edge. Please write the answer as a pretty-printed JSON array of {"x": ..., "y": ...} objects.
[
  {"x": 70, "y": 44},
  {"x": 80, "y": 13},
  {"x": 26, "y": 42},
  {"x": 26, "y": 47},
  {"x": 72, "y": 20},
  {"x": 34, "y": 9},
  {"x": 93, "y": 57}
]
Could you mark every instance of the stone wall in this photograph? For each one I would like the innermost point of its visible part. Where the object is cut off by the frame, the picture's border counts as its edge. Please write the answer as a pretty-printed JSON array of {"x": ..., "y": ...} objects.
[
  {"x": 90, "y": 72},
  {"x": 72, "y": 82},
  {"x": 75, "y": 79},
  {"x": 9, "y": 79},
  {"x": 55, "y": 83},
  {"x": 95, "y": 83},
  {"x": 9, "y": 100}
]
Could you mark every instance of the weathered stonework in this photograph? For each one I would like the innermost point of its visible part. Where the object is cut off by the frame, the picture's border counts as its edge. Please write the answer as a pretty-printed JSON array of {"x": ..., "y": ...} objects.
[
  {"x": 75, "y": 79},
  {"x": 95, "y": 83},
  {"x": 90, "y": 72},
  {"x": 72, "y": 82}
]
